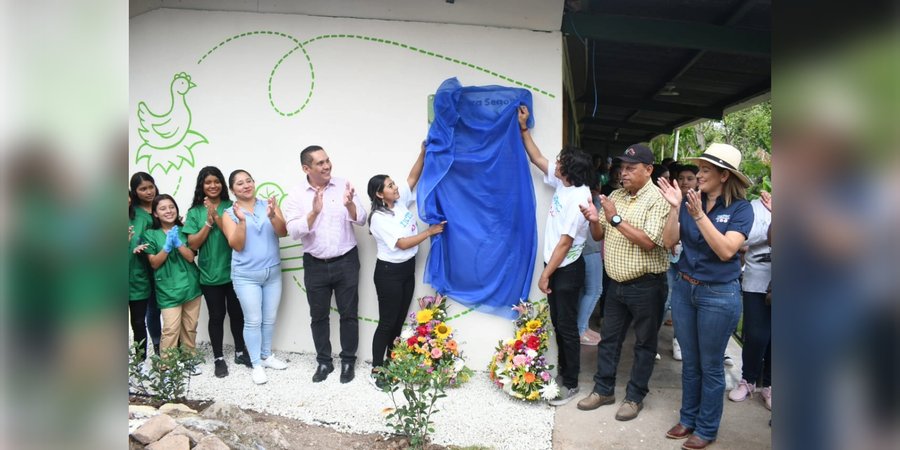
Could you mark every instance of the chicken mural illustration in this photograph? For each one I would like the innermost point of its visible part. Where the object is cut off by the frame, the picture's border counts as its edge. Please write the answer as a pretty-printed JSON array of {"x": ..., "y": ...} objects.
[{"x": 167, "y": 137}]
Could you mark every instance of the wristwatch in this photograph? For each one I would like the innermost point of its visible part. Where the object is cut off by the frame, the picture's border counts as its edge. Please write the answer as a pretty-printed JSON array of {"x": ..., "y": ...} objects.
[{"x": 615, "y": 220}]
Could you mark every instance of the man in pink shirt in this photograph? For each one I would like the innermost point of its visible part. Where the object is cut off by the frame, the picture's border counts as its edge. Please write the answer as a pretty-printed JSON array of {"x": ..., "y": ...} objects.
[{"x": 320, "y": 212}]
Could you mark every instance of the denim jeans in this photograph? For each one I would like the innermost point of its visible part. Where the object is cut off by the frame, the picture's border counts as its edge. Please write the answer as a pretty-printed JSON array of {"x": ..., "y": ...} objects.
[
  {"x": 338, "y": 276},
  {"x": 259, "y": 292},
  {"x": 593, "y": 287},
  {"x": 671, "y": 274},
  {"x": 757, "y": 330},
  {"x": 704, "y": 316},
  {"x": 154, "y": 318},
  {"x": 637, "y": 303},
  {"x": 565, "y": 284}
]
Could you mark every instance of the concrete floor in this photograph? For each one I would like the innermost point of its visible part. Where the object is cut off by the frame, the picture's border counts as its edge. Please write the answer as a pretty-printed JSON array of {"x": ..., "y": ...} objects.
[{"x": 744, "y": 425}]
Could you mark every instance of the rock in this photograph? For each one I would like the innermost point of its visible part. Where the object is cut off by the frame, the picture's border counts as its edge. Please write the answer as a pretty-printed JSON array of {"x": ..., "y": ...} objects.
[
  {"x": 211, "y": 443},
  {"x": 154, "y": 429},
  {"x": 200, "y": 424},
  {"x": 227, "y": 413},
  {"x": 171, "y": 442},
  {"x": 178, "y": 408},
  {"x": 194, "y": 436},
  {"x": 142, "y": 411}
]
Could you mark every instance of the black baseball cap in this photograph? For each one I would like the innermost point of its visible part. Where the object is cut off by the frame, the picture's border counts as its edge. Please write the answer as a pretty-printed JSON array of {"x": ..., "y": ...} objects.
[{"x": 637, "y": 153}]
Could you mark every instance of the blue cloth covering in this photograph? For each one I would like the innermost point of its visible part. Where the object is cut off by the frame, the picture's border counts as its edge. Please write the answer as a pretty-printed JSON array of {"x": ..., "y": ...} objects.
[{"x": 476, "y": 177}]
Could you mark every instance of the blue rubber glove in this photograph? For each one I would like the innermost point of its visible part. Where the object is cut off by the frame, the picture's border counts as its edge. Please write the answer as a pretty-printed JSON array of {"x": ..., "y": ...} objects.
[
  {"x": 176, "y": 238},
  {"x": 169, "y": 245}
]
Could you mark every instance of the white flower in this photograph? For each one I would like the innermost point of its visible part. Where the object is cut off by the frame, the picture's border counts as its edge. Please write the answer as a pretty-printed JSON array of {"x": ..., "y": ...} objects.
[
  {"x": 407, "y": 333},
  {"x": 507, "y": 384},
  {"x": 531, "y": 353},
  {"x": 459, "y": 365},
  {"x": 550, "y": 390}
]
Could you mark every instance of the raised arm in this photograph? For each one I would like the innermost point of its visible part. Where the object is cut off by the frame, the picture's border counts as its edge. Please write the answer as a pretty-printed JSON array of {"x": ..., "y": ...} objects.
[
  {"x": 534, "y": 154},
  {"x": 416, "y": 170},
  {"x": 236, "y": 233},
  {"x": 672, "y": 229},
  {"x": 725, "y": 246}
]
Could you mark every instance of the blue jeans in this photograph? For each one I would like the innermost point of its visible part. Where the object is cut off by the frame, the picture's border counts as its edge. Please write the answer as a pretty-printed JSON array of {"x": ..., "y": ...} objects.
[
  {"x": 259, "y": 292},
  {"x": 593, "y": 287},
  {"x": 757, "y": 330},
  {"x": 704, "y": 316}
]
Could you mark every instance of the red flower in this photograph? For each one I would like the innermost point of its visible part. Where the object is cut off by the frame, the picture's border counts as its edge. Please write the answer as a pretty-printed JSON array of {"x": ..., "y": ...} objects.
[
  {"x": 413, "y": 340},
  {"x": 518, "y": 345},
  {"x": 422, "y": 330},
  {"x": 534, "y": 342}
]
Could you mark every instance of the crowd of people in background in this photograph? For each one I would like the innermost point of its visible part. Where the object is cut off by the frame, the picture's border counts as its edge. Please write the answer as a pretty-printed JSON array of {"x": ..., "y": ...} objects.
[{"x": 629, "y": 238}]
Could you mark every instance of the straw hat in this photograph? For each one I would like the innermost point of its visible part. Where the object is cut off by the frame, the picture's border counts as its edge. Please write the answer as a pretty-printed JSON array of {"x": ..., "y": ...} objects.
[{"x": 726, "y": 157}]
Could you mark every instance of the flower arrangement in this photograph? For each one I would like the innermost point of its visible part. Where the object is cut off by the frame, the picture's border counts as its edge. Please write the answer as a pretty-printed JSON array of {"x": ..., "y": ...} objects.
[
  {"x": 425, "y": 360},
  {"x": 519, "y": 366}
]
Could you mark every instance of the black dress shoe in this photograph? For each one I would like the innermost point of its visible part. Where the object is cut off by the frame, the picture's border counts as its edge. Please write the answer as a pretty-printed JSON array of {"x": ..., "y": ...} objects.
[
  {"x": 347, "y": 372},
  {"x": 322, "y": 372}
]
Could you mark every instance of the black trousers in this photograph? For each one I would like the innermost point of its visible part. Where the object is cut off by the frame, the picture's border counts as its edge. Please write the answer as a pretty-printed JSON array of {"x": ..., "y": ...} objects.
[
  {"x": 566, "y": 284},
  {"x": 220, "y": 300},
  {"x": 394, "y": 283},
  {"x": 639, "y": 303},
  {"x": 338, "y": 277},
  {"x": 138, "y": 313}
]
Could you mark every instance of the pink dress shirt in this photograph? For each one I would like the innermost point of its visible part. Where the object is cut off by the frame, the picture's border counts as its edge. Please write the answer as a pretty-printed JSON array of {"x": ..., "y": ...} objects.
[{"x": 331, "y": 234}]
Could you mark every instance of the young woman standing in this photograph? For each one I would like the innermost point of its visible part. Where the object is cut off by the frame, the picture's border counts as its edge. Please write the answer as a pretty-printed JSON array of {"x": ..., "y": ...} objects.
[
  {"x": 397, "y": 238},
  {"x": 203, "y": 226},
  {"x": 252, "y": 230},
  {"x": 140, "y": 287},
  {"x": 177, "y": 278},
  {"x": 712, "y": 225}
]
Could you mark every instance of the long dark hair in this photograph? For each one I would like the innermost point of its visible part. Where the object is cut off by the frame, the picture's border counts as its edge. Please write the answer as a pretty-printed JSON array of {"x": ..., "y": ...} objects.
[
  {"x": 156, "y": 223},
  {"x": 201, "y": 177},
  {"x": 136, "y": 180},
  {"x": 575, "y": 165},
  {"x": 376, "y": 186}
]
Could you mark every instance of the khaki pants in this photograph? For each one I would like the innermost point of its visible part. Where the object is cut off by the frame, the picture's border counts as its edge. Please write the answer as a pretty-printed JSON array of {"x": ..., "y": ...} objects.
[{"x": 180, "y": 325}]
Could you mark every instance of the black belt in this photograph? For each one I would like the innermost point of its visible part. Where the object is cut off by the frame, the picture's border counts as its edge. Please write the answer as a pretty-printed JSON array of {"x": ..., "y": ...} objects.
[
  {"x": 329, "y": 260},
  {"x": 644, "y": 277}
]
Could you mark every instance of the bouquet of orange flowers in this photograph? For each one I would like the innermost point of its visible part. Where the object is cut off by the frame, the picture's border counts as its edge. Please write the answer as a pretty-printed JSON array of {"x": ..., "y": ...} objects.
[
  {"x": 519, "y": 366},
  {"x": 428, "y": 340}
]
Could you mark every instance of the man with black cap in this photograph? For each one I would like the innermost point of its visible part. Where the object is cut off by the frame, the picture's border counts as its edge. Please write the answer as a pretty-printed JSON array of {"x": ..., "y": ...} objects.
[{"x": 631, "y": 223}]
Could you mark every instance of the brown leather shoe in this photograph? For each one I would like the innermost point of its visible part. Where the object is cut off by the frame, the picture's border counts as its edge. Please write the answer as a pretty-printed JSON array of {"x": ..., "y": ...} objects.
[
  {"x": 696, "y": 443},
  {"x": 628, "y": 410},
  {"x": 595, "y": 401},
  {"x": 679, "y": 432}
]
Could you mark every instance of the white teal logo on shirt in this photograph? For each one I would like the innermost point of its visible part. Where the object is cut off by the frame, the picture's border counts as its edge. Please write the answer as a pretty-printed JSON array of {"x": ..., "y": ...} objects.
[
  {"x": 555, "y": 206},
  {"x": 407, "y": 218},
  {"x": 723, "y": 218}
]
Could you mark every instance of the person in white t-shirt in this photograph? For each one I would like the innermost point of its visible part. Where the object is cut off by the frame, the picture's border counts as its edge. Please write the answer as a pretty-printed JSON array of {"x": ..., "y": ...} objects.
[
  {"x": 397, "y": 237},
  {"x": 564, "y": 234}
]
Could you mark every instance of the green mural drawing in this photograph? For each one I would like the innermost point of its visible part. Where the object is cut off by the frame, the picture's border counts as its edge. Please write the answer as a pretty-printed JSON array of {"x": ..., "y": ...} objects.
[
  {"x": 270, "y": 189},
  {"x": 167, "y": 138},
  {"x": 302, "y": 48}
]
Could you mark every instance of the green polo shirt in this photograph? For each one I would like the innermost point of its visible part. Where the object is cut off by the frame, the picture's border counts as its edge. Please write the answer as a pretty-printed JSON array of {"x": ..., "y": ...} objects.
[
  {"x": 177, "y": 281},
  {"x": 214, "y": 258},
  {"x": 139, "y": 287}
]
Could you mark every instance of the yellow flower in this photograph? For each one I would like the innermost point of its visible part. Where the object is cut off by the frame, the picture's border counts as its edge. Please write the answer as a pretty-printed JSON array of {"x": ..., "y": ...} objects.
[
  {"x": 519, "y": 333},
  {"x": 442, "y": 331},
  {"x": 427, "y": 361},
  {"x": 424, "y": 316},
  {"x": 533, "y": 325},
  {"x": 533, "y": 395}
]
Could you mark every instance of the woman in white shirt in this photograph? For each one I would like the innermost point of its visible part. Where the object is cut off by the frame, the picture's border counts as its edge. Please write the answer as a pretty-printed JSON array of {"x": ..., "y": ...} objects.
[{"x": 397, "y": 237}]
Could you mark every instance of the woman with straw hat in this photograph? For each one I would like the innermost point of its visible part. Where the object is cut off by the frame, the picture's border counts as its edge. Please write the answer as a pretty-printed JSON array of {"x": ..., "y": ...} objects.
[{"x": 711, "y": 225}]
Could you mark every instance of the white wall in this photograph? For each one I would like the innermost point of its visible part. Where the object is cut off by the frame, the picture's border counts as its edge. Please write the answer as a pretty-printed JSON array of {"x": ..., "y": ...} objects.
[{"x": 367, "y": 109}]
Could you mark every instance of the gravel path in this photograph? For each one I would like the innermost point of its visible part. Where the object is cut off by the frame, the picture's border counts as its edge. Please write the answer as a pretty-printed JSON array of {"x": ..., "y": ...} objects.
[{"x": 475, "y": 414}]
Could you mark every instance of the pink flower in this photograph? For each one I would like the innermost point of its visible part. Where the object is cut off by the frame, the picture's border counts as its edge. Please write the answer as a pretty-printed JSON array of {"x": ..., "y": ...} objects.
[
  {"x": 436, "y": 353},
  {"x": 520, "y": 360},
  {"x": 545, "y": 376}
]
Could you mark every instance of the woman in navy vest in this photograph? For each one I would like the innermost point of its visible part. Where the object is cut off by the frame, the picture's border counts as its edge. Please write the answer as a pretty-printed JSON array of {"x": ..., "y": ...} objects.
[{"x": 712, "y": 225}]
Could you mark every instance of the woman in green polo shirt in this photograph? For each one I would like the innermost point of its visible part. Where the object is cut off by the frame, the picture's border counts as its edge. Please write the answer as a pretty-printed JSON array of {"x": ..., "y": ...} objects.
[
  {"x": 140, "y": 288},
  {"x": 203, "y": 226},
  {"x": 177, "y": 278}
]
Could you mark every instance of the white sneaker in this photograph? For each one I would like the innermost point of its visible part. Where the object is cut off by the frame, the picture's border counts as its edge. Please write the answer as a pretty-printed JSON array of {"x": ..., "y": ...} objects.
[
  {"x": 273, "y": 363},
  {"x": 727, "y": 360},
  {"x": 259, "y": 375},
  {"x": 197, "y": 370},
  {"x": 766, "y": 393},
  {"x": 658, "y": 357},
  {"x": 742, "y": 392},
  {"x": 676, "y": 350}
]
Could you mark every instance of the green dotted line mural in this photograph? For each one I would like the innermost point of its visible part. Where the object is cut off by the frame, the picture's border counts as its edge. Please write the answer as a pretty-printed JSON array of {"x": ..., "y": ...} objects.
[{"x": 312, "y": 74}]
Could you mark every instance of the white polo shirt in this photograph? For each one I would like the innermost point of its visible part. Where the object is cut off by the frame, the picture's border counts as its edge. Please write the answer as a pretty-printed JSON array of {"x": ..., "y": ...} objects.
[
  {"x": 388, "y": 229},
  {"x": 564, "y": 217}
]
